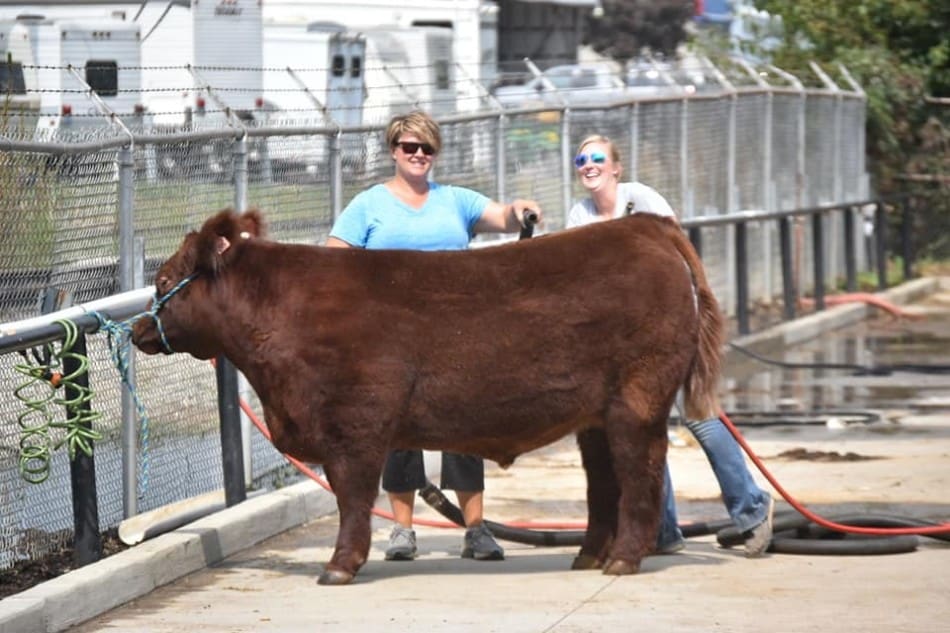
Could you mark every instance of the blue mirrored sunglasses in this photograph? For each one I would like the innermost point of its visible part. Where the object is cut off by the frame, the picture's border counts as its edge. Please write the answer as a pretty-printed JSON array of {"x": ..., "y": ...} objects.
[{"x": 598, "y": 158}]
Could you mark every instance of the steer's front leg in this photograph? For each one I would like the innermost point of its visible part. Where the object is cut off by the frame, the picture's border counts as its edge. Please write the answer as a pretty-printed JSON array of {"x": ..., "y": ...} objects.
[{"x": 355, "y": 482}]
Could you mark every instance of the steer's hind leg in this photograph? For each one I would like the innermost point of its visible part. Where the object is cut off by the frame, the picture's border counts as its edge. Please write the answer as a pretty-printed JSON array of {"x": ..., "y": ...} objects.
[
  {"x": 355, "y": 482},
  {"x": 638, "y": 448},
  {"x": 602, "y": 497}
]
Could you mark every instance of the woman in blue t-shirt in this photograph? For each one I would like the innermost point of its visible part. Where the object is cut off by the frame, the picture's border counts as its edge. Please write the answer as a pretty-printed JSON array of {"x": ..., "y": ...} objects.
[{"x": 409, "y": 211}]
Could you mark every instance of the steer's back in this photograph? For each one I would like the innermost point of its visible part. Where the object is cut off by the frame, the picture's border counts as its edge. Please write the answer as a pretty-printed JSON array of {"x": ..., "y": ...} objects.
[{"x": 502, "y": 349}]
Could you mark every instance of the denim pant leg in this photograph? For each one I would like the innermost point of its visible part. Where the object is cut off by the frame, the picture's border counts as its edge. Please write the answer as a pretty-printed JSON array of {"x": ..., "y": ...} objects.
[
  {"x": 669, "y": 526},
  {"x": 747, "y": 504}
]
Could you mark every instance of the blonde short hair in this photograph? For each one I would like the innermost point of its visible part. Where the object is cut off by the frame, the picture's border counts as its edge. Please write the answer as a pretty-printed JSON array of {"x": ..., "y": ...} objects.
[
  {"x": 417, "y": 123},
  {"x": 599, "y": 138}
]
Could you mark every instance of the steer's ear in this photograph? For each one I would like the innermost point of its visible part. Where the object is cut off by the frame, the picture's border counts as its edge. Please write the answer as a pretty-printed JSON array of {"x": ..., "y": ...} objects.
[
  {"x": 221, "y": 236},
  {"x": 252, "y": 224}
]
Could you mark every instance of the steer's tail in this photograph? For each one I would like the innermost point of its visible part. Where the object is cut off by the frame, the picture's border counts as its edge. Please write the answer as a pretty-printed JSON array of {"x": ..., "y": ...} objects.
[{"x": 703, "y": 381}]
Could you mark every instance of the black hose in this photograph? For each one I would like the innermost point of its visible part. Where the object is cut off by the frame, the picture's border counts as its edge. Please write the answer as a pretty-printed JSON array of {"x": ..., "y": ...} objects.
[
  {"x": 792, "y": 532},
  {"x": 846, "y": 545},
  {"x": 817, "y": 417},
  {"x": 548, "y": 538},
  {"x": 859, "y": 370}
]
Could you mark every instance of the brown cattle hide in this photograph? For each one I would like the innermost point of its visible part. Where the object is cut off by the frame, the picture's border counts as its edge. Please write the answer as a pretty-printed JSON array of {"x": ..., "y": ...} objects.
[{"x": 493, "y": 351}]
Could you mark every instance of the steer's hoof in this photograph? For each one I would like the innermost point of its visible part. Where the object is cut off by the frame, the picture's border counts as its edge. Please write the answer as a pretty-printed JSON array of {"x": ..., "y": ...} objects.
[
  {"x": 335, "y": 577},
  {"x": 620, "y": 568},
  {"x": 585, "y": 561}
]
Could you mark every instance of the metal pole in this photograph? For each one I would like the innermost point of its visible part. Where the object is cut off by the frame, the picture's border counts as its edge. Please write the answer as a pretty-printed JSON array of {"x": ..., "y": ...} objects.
[
  {"x": 127, "y": 281},
  {"x": 87, "y": 542},
  {"x": 240, "y": 204},
  {"x": 500, "y": 158},
  {"x": 230, "y": 422},
  {"x": 634, "y": 142},
  {"x": 818, "y": 256},
  {"x": 240, "y": 173},
  {"x": 696, "y": 237},
  {"x": 742, "y": 279},
  {"x": 880, "y": 232},
  {"x": 907, "y": 237},
  {"x": 566, "y": 163},
  {"x": 336, "y": 175},
  {"x": 788, "y": 265},
  {"x": 850, "y": 252}
]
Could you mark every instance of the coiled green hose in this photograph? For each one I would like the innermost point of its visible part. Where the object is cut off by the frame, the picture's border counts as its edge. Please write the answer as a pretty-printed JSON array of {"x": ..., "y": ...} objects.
[{"x": 39, "y": 392}]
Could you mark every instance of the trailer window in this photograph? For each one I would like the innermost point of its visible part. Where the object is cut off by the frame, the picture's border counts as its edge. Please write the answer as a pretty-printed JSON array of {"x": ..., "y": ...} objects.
[
  {"x": 103, "y": 77},
  {"x": 11, "y": 78},
  {"x": 356, "y": 67},
  {"x": 338, "y": 65}
]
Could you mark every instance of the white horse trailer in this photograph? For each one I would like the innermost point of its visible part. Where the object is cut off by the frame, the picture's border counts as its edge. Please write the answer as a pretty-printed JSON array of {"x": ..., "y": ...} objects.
[
  {"x": 313, "y": 76},
  {"x": 473, "y": 24},
  {"x": 81, "y": 63}
]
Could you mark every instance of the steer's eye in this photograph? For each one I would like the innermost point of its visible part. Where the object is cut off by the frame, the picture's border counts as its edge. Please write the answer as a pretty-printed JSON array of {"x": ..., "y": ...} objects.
[{"x": 162, "y": 284}]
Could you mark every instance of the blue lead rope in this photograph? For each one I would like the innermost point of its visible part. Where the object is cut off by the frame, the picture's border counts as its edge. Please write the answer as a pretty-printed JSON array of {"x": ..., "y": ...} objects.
[{"x": 119, "y": 335}]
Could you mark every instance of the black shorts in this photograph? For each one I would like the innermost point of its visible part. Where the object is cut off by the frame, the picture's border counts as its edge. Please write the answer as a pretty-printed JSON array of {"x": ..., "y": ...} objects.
[{"x": 405, "y": 471}]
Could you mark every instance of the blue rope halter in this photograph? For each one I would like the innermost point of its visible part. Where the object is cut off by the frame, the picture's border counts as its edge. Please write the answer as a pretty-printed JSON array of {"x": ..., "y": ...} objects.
[{"x": 158, "y": 304}]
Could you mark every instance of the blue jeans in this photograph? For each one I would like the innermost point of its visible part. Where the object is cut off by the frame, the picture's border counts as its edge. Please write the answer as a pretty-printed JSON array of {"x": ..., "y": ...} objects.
[{"x": 747, "y": 504}]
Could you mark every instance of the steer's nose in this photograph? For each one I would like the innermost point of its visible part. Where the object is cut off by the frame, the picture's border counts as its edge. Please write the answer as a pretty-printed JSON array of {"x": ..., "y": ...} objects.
[{"x": 145, "y": 335}]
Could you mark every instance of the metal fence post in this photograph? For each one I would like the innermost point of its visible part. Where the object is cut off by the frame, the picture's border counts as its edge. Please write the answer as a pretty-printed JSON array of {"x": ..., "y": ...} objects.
[
  {"x": 127, "y": 281},
  {"x": 566, "y": 163},
  {"x": 230, "y": 428},
  {"x": 696, "y": 238},
  {"x": 742, "y": 279},
  {"x": 243, "y": 389},
  {"x": 500, "y": 157},
  {"x": 87, "y": 541},
  {"x": 907, "y": 237},
  {"x": 634, "y": 163},
  {"x": 336, "y": 174},
  {"x": 789, "y": 293},
  {"x": 880, "y": 244},
  {"x": 850, "y": 253},
  {"x": 818, "y": 257},
  {"x": 240, "y": 173}
]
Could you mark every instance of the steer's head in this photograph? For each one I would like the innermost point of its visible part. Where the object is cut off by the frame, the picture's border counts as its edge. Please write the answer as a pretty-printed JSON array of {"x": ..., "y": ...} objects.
[{"x": 182, "y": 316}]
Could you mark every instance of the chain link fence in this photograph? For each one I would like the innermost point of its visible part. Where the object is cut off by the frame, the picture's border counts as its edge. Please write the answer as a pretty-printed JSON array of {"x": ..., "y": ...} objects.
[{"x": 63, "y": 198}]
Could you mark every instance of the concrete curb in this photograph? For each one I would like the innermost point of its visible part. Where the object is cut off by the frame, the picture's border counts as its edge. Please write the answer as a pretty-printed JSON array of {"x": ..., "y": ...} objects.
[{"x": 82, "y": 594}]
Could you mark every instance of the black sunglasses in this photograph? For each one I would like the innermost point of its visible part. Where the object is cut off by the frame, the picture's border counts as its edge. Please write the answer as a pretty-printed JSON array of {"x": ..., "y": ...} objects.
[{"x": 410, "y": 147}]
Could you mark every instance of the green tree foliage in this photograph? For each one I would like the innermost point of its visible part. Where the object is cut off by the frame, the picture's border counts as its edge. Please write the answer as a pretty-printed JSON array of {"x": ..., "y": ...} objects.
[
  {"x": 899, "y": 52},
  {"x": 627, "y": 28}
]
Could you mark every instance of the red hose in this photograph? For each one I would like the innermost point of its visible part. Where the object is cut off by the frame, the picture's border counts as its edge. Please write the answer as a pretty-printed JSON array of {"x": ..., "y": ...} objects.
[
  {"x": 864, "y": 297},
  {"x": 552, "y": 525},
  {"x": 811, "y": 516}
]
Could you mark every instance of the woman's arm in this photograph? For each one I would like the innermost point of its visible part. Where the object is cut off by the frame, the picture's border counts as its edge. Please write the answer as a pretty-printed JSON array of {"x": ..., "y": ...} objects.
[
  {"x": 336, "y": 242},
  {"x": 506, "y": 218}
]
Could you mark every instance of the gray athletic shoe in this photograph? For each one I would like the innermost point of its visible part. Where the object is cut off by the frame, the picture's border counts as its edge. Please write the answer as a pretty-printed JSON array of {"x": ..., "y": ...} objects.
[
  {"x": 402, "y": 544},
  {"x": 760, "y": 537},
  {"x": 481, "y": 545}
]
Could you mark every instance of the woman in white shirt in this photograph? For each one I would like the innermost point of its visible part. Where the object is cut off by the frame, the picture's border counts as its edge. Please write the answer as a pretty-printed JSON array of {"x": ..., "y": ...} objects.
[{"x": 599, "y": 169}]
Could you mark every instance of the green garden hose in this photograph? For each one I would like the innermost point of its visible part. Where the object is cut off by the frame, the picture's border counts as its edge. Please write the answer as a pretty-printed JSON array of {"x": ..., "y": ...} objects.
[{"x": 39, "y": 392}]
